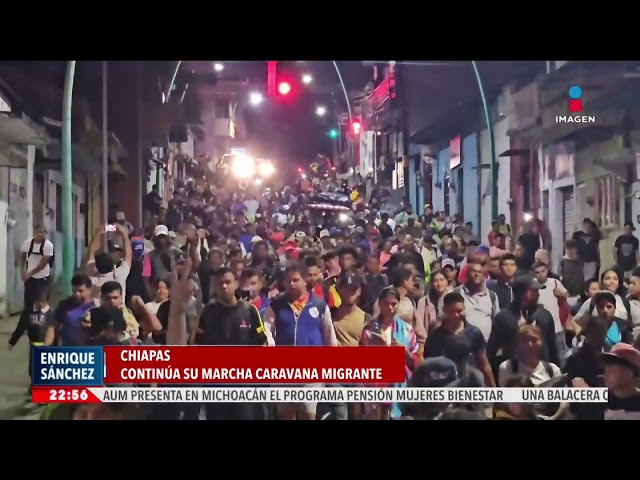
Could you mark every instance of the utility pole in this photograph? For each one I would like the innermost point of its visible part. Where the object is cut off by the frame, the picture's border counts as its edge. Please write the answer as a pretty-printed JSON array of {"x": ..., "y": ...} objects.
[
  {"x": 493, "y": 170},
  {"x": 105, "y": 151},
  {"x": 68, "y": 250}
]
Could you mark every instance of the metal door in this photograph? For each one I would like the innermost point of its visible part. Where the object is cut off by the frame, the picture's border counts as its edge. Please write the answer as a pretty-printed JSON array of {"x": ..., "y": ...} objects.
[
  {"x": 568, "y": 213},
  {"x": 17, "y": 230}
]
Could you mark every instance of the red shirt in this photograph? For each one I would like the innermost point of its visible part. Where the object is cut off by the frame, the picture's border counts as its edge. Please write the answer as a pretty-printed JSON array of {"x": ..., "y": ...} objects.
[{"x": 318, "y": 291}]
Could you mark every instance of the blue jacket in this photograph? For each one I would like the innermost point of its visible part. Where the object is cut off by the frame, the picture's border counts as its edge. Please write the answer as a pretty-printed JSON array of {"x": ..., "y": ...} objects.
[
  {"x": 265, "y": 302},
  {"x": 306, "y": 329}
]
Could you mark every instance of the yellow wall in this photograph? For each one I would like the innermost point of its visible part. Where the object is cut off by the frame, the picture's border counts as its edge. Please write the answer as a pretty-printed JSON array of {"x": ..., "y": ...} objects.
[{"x": 587, "y": 170}]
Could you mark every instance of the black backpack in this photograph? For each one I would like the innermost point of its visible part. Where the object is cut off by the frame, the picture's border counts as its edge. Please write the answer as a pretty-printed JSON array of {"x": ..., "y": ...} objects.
[{"x": 52, "y": 259}]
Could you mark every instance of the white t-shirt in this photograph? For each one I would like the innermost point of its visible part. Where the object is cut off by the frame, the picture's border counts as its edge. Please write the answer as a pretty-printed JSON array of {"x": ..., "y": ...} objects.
[
  {"x": 34, "y": 259},
  {"x": 388, "y": 334},
  {"x": 119, "y": 274},
  {"x": 252, "y": 208},
  {"x": 537, "y": 375},
  {"x": 153, "y": 306},
  {"x": 549, "y": 301}
]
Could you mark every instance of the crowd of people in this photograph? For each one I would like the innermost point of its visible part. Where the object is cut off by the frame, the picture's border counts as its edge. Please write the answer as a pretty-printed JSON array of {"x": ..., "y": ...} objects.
[{"x": 470, "y": 312}]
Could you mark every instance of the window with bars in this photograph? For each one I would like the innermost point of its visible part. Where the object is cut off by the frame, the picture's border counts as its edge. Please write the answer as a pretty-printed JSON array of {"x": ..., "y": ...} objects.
[{"x": 608, "y": 199}]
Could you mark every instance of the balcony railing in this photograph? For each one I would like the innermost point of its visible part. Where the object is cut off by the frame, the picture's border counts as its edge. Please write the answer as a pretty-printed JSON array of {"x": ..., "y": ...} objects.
[{"x": 378, "y": 98}]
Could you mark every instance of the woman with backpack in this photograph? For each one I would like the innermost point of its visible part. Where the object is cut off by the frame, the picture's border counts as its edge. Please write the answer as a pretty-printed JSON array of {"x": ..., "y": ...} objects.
[
  {"x": 528, "y": 363},
  {"x": 609, "y": 282}
]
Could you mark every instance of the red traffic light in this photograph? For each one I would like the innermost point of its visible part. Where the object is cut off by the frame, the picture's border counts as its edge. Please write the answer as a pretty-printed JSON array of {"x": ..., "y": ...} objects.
[
  {"x": 284, "y": 88},
  {"x": 356, "y": 126}
]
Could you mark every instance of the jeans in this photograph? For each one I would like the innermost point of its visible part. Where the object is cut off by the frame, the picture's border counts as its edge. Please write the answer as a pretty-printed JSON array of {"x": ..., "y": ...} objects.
[{"x": 32, "y": 287}]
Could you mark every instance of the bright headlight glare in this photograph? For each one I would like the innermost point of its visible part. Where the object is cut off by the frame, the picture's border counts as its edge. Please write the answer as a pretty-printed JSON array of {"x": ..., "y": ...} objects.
[
  {"x": 266, "y": 170},
  {"x": 243, "y": 166}
]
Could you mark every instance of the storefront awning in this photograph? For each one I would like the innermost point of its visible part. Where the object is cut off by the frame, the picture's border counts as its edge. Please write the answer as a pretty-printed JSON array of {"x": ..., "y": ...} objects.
[
  {"x": 18, "y": 129},
  {"x": 50, "y": 157}
]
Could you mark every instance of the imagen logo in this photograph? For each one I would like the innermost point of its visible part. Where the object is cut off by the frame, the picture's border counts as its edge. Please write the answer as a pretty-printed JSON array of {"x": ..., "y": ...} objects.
[
  {"x": 575, "y": 99},
  {"x": 575, "y": 108}
]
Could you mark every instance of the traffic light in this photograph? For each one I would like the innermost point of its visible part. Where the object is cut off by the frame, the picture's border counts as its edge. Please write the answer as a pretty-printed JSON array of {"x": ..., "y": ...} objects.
[
  {"x": 333, "y": 134},
  {"x": 356, "y": 126},
  {"x": 271, "y": 78},
  {"x": 284, "y": 88}
]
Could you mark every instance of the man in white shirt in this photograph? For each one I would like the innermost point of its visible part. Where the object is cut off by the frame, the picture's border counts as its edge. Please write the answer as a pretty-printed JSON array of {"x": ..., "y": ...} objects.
[
  {"x": 35, "y": 265},
  {"x": 252, "y": 207},
  {"x": 549, "y": 298}
]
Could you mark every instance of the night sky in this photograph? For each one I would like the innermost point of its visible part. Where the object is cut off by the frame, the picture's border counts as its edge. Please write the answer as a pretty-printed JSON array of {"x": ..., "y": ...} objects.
[{"x": 287, "y": 129}]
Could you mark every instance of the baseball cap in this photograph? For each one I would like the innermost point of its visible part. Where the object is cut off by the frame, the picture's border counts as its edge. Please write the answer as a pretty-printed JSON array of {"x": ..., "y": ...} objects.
[
  {"x": 436, "y": 372},
  {"x": 290, "y": 246},
  {"x": 630, "y": 225},
  {"x": 349, "y": 280},
  {"x": 526, "y": 282},
  {"x": 622, "y": 354},
  {"x": 324, "y": 234},
  {"x": 256, "y": 238},
  {"x": 448, "y": 262},
  {"x": 300, "y": 235},
  {"x": 161, "y": 230},
  {"x": 483, "y": 249}
]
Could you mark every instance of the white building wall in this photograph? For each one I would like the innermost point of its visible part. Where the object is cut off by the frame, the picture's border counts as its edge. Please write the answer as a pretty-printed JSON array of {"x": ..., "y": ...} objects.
[
  {"x": 583, "y": 184},
  {"x": 453, "y": 192},
  {"x": 16, "y": 212},
  {"x": 3, "y": 258},
  {"x": 585, "y": 179}
]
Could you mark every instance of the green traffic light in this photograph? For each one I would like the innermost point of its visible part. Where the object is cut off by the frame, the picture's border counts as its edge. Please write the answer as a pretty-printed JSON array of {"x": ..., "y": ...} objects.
[{"x": 333, "y": 133}]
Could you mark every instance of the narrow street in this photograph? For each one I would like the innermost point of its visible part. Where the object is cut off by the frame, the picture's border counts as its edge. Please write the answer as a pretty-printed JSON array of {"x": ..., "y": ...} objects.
[{"x": 14, "y": 380}]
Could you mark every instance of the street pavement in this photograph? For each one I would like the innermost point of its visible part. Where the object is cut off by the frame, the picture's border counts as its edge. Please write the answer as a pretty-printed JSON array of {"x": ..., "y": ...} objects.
[{"x": 14, "y": 378}]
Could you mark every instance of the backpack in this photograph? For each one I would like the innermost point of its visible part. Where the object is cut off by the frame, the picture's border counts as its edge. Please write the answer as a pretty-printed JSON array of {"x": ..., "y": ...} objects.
[
  {"x": 492, "y": 295},
  {"x": 515, "y": 367},
  {"x": 52, "y": 259}
]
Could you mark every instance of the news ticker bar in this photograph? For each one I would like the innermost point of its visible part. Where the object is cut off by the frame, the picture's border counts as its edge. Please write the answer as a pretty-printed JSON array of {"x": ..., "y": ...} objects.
[
  {"x": 98, "y": 366},
  {"x": 316, "y": 394}
]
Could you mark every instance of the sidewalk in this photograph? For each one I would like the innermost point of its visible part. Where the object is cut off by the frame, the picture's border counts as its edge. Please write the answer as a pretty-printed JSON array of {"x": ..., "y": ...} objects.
[{"x": 14, "y": 378}]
